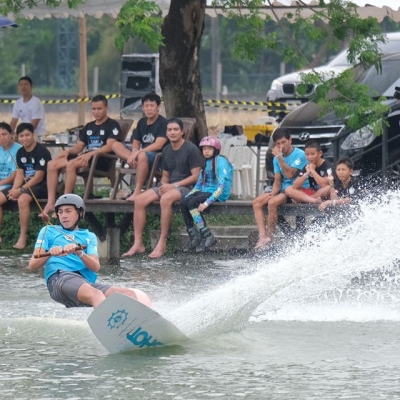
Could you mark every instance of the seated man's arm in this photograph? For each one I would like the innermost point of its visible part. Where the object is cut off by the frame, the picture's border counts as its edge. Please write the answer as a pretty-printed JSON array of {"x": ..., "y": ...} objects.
[
  {"x": 276, "y": 187},
  {"x": 9, "y": 180},
  {"x": 35, "y": 180},
  {"x": 191, "y": 179},
  {"x": 73, "y": 151},
  {"x": 158, "y": 144}
]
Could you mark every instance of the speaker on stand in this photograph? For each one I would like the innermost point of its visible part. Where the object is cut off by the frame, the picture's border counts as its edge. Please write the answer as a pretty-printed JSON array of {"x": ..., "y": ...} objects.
[{"x": 139, "y": 76}]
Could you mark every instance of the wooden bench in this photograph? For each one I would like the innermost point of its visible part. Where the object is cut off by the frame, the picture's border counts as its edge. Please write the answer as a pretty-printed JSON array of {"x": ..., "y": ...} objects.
[{"x": 111, "y": 232}]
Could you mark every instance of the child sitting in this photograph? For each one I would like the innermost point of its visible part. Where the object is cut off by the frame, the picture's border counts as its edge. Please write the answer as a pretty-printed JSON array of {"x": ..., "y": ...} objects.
[
  {"x": 343, "y": 187},
  {"x": 316, "y": 171},
  {"x": 214, "y": 184}
]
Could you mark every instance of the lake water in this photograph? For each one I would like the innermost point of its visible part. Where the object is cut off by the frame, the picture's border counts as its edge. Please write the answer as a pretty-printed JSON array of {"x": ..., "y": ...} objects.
[{"x": 313, "y": 323}]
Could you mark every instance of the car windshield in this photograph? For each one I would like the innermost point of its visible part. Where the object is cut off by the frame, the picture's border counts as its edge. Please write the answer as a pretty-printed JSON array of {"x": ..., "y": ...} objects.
[
  {"x": 380, "y": 82},
  {"x": 391, "y": 46}
]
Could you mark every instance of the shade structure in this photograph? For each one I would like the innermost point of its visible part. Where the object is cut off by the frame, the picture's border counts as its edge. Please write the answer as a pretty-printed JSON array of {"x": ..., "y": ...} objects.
[
  {"x": 276, "y": 9},
  {"x": 5, "y": 22}
]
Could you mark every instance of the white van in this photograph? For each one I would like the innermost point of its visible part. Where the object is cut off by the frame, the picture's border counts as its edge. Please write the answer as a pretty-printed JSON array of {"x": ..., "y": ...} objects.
[{"x": 284, "y": 87}]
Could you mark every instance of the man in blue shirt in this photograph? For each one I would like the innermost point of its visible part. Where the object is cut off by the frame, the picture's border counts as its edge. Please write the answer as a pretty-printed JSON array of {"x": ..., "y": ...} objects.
[
  {"x": 8, "y": 164},
  {"x": 71, "y": 262},
  {"x": 288, "y": 162}
]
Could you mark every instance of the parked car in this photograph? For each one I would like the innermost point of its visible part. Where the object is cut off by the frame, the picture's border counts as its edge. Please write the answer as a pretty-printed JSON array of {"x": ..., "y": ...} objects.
[
  {"x": 284, "y": 87},
  {"x": 337, "y": 139}
]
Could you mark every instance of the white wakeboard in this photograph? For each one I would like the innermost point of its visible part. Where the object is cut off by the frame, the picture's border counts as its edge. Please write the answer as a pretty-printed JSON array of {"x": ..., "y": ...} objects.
[{"x": 123, "y": 324}]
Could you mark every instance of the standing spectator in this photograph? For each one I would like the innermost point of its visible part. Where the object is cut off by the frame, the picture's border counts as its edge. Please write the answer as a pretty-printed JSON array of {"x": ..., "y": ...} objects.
[
  {"x": 28, "y": 108},
  {"x": 288, "y": 162},
  {"x": 182, "y": 161},
  {"x": 149, "y": 138},
  {"x": 214, "y": 184},
  {"x": 8, "y": 166},
  {"x": 97, "y": 136},
  {"x": 30, "y": 180}
]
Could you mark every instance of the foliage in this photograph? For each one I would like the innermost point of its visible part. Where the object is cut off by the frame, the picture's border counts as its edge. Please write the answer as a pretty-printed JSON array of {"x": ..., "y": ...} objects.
[
  {"x": 15, "y": 6},
  {"x": 333, "y": 21},
  {"x": 140, "y": 18}
]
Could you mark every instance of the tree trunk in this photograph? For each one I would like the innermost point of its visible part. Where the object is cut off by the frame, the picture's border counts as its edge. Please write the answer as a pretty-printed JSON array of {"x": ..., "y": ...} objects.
[{"x": 179, "y": 62}]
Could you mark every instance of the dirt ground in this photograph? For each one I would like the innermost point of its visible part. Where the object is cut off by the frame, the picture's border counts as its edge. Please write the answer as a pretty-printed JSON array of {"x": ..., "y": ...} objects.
[{"x": 59, "y": 121}]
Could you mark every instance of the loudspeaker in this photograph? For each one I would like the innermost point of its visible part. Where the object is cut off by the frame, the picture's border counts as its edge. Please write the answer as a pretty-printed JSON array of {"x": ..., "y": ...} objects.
[{"x": 139, "y": 76}]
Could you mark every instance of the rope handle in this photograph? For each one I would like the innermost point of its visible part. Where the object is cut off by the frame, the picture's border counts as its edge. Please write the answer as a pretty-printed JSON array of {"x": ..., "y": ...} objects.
[{"x": 41, "y": 255}]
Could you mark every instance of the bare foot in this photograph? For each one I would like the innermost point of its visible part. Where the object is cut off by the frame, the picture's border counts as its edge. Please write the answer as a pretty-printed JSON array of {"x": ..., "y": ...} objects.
[
  {"x": 318, "y": 200},
  {"x": 49, "y": 208},
  {"x": 135, "y": 249},
  {"x": 262, "y": 242},
  {"x": 20, "y": 245},
  {"x": 158, "y": 251},
  {"x": 132, "y": 197}
]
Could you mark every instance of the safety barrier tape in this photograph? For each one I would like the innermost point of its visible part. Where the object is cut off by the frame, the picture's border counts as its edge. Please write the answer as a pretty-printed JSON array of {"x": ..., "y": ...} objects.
[
  {"x": 64, "y": 101},
  {"x": 230, "y": 104}
]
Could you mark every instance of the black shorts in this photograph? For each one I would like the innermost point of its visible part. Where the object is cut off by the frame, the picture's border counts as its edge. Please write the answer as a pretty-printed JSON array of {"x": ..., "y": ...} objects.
[
  {"x": 63, "y": 287},
  {"x": 39, "y": 191},
  {"x": 103, "y": 164}
]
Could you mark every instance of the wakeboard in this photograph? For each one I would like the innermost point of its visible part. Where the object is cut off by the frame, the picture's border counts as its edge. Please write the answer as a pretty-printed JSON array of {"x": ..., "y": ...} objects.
[{"x": 123, "y": 324}]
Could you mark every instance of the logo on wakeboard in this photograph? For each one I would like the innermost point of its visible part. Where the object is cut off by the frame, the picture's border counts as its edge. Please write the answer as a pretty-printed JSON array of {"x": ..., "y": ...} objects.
[
  {"x": 117, "y": 319},
  {"x": 142, "y": 338}
]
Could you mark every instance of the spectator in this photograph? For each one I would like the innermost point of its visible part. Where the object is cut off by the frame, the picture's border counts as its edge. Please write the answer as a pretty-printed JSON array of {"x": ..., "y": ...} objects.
[
  {"x": 316, "y": 172},
  {"x": 149, "y": 138},
  {"x": 8, "y": 166},
  {"x": 288, "y": 162},
  {"x": 28, "y": 108},
  {"x": 97, "y": 136},
  {"x": 30, "y": 181},
  {"x": 214, "y": 184},
  {"x": 181, "y": 163},
  {"x": 344, "y": 187}
]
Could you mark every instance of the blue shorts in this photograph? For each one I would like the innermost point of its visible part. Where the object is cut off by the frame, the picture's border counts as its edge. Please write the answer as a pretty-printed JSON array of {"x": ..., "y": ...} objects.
[{"x": 151, "y": 156}]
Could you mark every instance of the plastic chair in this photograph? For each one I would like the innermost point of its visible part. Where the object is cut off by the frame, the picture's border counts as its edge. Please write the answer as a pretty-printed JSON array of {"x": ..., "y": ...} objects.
[
  {"x": 88, "y": 174},
  {"x": 154, "y": 176},
  {"x": 242, "y": 157},
  {"x": 240, "y": 140}
]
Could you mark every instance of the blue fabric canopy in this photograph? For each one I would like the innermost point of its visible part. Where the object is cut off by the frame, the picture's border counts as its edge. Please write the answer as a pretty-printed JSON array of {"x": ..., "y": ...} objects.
[{"x": 4, "y": 22}]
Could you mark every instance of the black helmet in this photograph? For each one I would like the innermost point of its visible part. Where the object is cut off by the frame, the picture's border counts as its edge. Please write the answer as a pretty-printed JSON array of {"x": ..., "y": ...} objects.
[{"x": 71, "y": 200}]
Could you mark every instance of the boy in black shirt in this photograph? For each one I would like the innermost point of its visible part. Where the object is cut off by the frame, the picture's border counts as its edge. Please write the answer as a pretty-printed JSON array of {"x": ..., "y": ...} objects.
[
  {"x": 343, "y": 187},
  {"x": 317, "y": 172},
  {"x": 149, "y": 138},
  {"x": 30, "y": 180}
]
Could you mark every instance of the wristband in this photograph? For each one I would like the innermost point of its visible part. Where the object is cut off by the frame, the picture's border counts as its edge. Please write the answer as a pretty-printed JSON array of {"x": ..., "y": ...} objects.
[
  {"x": 306, "y": 176},
  {"x": 82, "y": 254},
  {"x": 334, "y": 202},
  {"x": 176, "y": 184}
]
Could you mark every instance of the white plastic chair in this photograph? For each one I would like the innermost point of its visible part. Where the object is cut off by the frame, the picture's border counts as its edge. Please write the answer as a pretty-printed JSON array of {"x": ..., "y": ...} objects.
[
  {"x": 242, "y": 160},
  {"x": 240, "y": 140}
]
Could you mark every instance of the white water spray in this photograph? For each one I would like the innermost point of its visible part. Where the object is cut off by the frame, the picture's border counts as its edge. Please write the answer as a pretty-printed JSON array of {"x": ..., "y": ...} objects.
[{"x": 325, "y": 262}]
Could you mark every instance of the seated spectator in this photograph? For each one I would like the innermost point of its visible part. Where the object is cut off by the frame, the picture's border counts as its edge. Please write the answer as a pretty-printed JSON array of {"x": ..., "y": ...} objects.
[
  {"x": 214, "y": 184},
  {"x": 149, "y": 138},
  {"x": 181, "y": 165},
  {"x": 28, "y": 108},
  {"x": 316, "y": 172},
  {"x": 8, "y": 164},
  {"x": 97, "y": 136},
  {"x": 288, "y": 162},
  {"x": 344, "y": 188},
  {"x": 30, "y": 181}
]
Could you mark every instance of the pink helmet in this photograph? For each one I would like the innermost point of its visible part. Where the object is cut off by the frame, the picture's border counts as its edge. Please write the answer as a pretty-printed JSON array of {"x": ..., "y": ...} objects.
[{"x": 211, "y": 141}]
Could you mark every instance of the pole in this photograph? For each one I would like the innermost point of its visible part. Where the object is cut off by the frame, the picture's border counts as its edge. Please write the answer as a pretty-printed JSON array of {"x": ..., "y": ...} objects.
[{"x": 83, "y": 85}]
